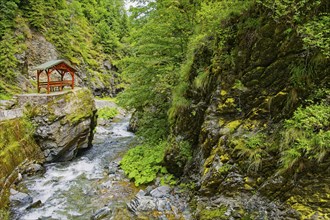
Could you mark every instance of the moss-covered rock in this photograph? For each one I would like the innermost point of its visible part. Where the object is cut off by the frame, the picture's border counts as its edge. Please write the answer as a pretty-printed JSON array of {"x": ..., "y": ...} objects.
[
  {"x": 64, "y": 122},
  {"x": 16, "y": 146},
  {"x": 269, "y": 75}
]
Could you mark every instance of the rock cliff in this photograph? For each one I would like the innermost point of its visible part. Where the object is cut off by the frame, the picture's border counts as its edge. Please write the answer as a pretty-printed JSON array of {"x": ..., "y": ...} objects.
[
  {"x": 235, "y": 123},
  {"x": 64, "y": 122},
  {"x": 44, "y": 128}
]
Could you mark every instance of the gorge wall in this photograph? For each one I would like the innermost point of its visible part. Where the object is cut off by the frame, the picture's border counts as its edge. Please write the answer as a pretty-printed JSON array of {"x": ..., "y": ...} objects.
[
  {"x": 50, "y": 128},
  {"x": 241, "y": 91}
]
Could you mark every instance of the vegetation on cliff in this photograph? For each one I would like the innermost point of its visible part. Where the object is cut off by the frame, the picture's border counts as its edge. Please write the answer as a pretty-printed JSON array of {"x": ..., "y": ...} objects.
[
  {"x": 16, "y": 145},
  {"x": 233, "y": 94},
  {"x": 245, "y": 85},
  {"x": 87, "y": 33}
]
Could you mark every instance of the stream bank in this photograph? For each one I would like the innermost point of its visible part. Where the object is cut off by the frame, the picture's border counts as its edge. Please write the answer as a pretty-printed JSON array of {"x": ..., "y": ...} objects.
[{"x": 93, "y": 186}]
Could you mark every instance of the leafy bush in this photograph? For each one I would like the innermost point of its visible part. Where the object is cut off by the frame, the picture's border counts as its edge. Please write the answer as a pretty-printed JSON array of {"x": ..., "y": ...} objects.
[
  {"x": 306, "y": 137},
  {"x": 317, "y": 34},
  {"x": 142, "y": 163},
  {"x": 108, "y": 112}
]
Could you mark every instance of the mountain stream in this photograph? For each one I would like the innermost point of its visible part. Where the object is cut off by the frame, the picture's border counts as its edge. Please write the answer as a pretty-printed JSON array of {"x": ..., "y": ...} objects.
[{"x": 77, "y": 189}]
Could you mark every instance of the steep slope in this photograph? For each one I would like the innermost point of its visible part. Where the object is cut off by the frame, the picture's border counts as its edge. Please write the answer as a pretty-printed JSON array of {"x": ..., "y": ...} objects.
[
  {"x": 89, "y": 34},
  {"x": 241, "y": 85}
]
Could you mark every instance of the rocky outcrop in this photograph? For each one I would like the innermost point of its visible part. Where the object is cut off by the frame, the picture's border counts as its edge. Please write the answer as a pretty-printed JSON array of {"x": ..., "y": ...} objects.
[
  {"x": 64, "y": 122},
  {"x": 248, "y": 98},
  {"x": 43, "y": 128}
]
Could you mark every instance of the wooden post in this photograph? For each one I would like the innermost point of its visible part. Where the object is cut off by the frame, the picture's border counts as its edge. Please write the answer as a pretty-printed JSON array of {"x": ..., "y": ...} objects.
[
  {"x": 48, "y": 79},
  {"x": 62, "y": 76}
]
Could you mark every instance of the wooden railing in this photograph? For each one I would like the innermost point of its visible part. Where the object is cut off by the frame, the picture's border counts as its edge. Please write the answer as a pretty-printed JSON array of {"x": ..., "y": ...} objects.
[{"x": 55, "y": 85}]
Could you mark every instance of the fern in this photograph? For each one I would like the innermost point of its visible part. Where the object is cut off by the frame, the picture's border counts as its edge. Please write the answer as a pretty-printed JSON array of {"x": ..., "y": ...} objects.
[
  {"x": 306, "y": 137},
  {"x": 253, "y": 149}
]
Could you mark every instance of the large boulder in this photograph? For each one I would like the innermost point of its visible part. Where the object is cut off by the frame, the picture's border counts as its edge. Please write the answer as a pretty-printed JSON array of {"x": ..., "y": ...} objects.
[{"x": 64, "y": 121}]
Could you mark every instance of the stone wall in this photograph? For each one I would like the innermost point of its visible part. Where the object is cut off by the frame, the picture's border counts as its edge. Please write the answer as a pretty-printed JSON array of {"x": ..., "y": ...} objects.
[{"x": 11, "y": 114}]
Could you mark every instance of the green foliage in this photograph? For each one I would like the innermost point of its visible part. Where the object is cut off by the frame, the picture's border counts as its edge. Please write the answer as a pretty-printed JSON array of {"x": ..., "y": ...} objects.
[
  {"x": 8, "y": 60},
  {"x": 253, "y": 149},
  {"x": 216, "y": 213},
  {"x": 4, "y": 205},
  {"x": 185, "y": 150},
  {"x": 213, "y": 13},
  {"x": 35, "y": 11},
  {"x": 5, "y": 97},
  {"x": 168, "y": 179},
  {"x": 292, "y": 11},
  {"x": 301, "y": 76},
  {"x": 142, "y": 163},
  {"x": 159, "y": 37},
  {"x": 306, "y": 137},
  {"x": 8, "y": 10},
  {"x": 316, "y": 34},
  {"x": 108, "y": 112}
]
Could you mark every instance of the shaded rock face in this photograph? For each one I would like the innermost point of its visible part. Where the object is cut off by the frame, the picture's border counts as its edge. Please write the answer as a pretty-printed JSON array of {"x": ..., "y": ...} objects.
[
  {"x": 64, "y": 122},
  {"x": 252, "y": 94}
]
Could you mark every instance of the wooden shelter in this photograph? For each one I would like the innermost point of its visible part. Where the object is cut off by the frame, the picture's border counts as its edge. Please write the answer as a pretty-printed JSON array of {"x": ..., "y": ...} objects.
[{"x": 55, "y": 66}]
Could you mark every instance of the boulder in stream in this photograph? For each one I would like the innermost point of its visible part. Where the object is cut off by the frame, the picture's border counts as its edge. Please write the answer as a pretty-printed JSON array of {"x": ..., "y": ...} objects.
[{"x": 19, "y": 198}]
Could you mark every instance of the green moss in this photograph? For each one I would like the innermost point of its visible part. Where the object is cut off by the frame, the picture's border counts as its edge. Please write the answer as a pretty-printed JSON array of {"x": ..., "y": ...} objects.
[
  {"x": 211, "y": 214},
  {"x": 224, "y": 169},
  {"x": 83, "y": 105},
  {"x": 5, "y": 96},
  {"x": 229, "y": 103},
  {"x": 223, "y": 92},
  {"x": 4, "y": 206},
  {"x": 107, "y": 98},
  {"x": 224, "y": 158},
  {"x": 233, "y": 125},
  {"x": 16, "y": 145}
]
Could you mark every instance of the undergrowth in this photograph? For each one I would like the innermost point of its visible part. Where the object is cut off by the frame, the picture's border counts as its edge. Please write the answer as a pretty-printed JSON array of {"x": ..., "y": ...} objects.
[
  {"x": 108, "y": 112},
  {"x": 142, "y": 163},
  {"x": 306, "y": 137}
]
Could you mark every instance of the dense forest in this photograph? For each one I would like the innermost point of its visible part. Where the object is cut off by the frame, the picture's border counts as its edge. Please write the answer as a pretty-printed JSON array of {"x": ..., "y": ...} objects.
[{"x": 229, "y": 97}]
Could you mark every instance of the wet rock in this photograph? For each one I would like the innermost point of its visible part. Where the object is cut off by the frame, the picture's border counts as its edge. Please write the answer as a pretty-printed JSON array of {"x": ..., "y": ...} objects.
[
  {"x": 149, "y": 189},
  {"x": 34, "y": 168},
  {"x": 160, "y": 191},
  {"x": 34, "y": 205},
  {"x": 142, "y": 204},
  {"x": 113, "y": 168},
  {"x": 107, "y": 185},
  {"x": 101, "y": 213},
  {"x": 19, "y": 199}
]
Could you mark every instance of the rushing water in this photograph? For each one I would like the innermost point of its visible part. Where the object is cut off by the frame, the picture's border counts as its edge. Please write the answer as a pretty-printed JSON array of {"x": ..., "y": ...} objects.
[{"x": 76, "y": 189}]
